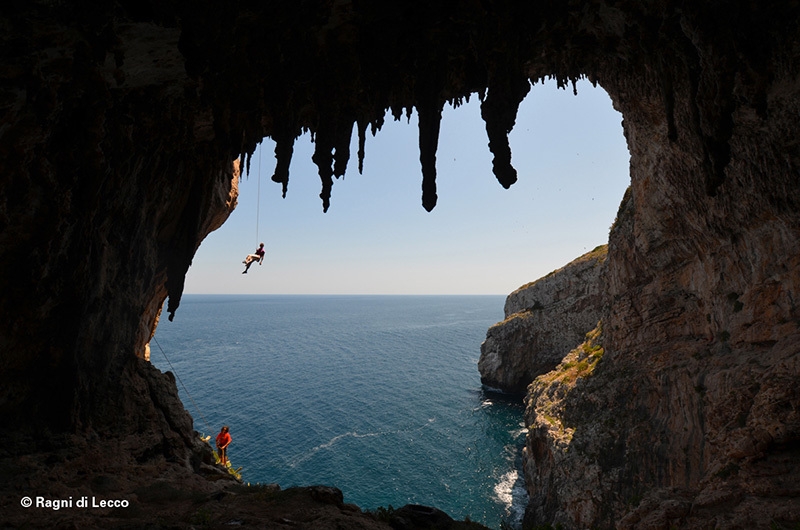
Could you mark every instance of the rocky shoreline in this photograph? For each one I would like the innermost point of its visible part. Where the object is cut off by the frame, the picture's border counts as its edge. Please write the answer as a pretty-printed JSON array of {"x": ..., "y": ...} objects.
[
  {"x": 543, "y": 321},
  {"x": 718, "y": 412},
  {"x": 141, "y": 481}
]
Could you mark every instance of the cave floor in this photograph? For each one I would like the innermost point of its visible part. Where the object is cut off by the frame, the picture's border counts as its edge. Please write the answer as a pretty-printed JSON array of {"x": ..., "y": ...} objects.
[{"x": 72, "y": 486}]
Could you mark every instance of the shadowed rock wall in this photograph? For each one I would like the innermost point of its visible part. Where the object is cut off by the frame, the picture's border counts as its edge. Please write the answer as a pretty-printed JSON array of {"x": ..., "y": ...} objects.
[
  {"x": 119, "y": 124},
  {"x": 109, "y": 183},
  {"x": 690, "y": 419}
]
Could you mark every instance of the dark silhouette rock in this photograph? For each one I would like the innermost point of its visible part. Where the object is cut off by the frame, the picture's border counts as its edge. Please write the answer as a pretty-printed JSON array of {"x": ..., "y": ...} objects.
[{"x": 120, "y": 124}]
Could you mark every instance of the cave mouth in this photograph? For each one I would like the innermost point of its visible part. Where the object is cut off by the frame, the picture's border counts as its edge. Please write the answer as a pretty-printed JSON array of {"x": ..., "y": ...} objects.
[
  {"x": 116, "y": 163},
  {"x": 572, "y": 154},
  {"x": 572, "y": 161}
]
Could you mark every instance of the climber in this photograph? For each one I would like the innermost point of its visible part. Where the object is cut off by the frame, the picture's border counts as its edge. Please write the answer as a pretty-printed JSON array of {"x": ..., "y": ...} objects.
[
  {"x": 223, "y": 441},
  {"x": 257, "y": 256}
]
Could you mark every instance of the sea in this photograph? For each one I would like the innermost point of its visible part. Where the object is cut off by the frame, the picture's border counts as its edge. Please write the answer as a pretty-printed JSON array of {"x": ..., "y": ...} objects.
[{"x": 379, "y": 396}]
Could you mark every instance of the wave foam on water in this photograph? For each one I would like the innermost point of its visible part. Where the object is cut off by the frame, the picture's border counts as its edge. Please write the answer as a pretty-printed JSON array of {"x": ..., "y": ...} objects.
[{"x": 510, "y": 491}]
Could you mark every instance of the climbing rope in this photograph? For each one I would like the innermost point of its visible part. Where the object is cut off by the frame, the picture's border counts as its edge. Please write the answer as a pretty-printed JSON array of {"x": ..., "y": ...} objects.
[
  {"x": 184, "y": 386},
  {"x": 258, "y": 197}
]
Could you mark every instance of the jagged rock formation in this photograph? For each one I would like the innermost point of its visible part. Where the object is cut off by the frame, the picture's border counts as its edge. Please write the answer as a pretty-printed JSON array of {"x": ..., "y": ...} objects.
[
  {"x": 690, "y": 418},
  {"x": 543, "y": 321},
  {"x": 551, "y": 432},
  {"x": 119, "y": 124}
]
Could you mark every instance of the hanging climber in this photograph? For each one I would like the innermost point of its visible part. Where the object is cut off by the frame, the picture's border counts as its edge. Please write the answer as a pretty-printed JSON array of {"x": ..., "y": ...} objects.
[{"x": 251, "y": 258}]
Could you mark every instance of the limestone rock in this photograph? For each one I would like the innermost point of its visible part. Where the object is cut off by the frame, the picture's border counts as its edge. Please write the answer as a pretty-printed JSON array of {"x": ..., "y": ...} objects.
[
  {"x": 544, "y": 320},
  {"x": 702, "y": 415},
  {"x": 120, "y": 122}
]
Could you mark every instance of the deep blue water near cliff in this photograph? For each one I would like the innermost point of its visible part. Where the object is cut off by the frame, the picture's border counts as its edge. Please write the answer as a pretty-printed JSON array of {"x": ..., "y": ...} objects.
[{"x": 377, "y": 395}]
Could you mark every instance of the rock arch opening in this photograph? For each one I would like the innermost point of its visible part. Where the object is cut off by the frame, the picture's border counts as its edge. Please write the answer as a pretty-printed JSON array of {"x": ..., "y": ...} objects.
[
  {"x": 568, "y": 150},
  {"x": 376, "y": 232},
  {"x": 120, "y": 124}
]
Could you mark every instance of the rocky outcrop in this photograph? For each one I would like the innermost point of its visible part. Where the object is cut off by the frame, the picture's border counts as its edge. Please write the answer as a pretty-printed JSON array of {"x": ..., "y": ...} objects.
[
  {"x": 120, "y": 122},
  {"x": 694, "y": 426},
  {"x": 550, "y": 438},
  {"x": 544, "y": 320}
]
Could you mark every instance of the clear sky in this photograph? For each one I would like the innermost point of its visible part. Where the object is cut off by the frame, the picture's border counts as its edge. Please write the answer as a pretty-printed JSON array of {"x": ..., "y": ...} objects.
[{"x": 572, "y": 164}]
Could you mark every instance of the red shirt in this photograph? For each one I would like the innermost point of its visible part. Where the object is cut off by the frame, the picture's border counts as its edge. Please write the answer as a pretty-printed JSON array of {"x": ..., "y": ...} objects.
[{"x": 223, "y": 439}]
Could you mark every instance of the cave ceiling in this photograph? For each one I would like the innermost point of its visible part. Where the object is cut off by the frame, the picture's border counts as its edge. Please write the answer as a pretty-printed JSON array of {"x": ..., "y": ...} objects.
[
  {"x": 120, "y": 122},
  {"x": 132, "y": 88},
  {"x": 336, "y": 68}
]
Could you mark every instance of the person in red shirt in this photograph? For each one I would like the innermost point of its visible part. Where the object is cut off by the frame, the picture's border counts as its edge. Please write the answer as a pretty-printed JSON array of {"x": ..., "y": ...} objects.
[
  {"x": 223, "y": 441},
  {"x": 258, "y": 256}
]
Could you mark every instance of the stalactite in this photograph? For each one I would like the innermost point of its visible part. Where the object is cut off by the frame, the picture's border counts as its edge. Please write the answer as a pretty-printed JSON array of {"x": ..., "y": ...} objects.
[
  {"x": 362, "y": 140},
  {"x": 284, "y": 149},
  {"x": 499, "y": 76},
  {"x": 664, "y": 64},
  {"x": 397, "y": 111},
  {"x": 668, "y": 97},
  {"x": 182, "y": 247},
  {"x": 332, "y": 152},
  {"x": 323, "y": 158},
  {"x": 713, "y": 99},
  {"x": 499, "y": 112},
  {"x": 458, "y": 101},
  {"x": 342, "y": 136},
  {"x": 430, "y": 118},
  {"x": 377, "y": 123},
  {"x": 244, "y": 162},
  {"x": 716, "y": 125}
]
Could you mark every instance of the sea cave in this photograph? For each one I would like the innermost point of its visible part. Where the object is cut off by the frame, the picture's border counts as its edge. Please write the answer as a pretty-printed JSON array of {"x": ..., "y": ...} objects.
[{"x": 125, "y": 128}]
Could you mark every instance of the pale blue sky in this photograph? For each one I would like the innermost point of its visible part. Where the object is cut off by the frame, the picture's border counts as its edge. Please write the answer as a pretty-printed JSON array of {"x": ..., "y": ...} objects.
[{"x": 572, "y": 163}]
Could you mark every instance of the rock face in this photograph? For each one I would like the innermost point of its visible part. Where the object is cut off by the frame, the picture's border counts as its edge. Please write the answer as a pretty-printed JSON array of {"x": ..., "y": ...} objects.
[
  {"x": 550, "y": 439},
  {"x": 109, "y": 184},
  {"x": 120, "y": 122},
  {"x": 544, "y": 320},
  {"x": 689, "y": 419}
]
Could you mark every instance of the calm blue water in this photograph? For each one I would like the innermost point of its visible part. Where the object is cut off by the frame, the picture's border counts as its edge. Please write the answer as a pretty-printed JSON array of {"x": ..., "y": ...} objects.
[{"x": 379, "y": 396}]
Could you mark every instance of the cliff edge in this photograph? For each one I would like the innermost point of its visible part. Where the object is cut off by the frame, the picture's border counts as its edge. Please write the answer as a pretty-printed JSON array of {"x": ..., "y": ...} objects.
[
  {"x": 543, "y": 321},
  {"x": 681, "y": 409}
]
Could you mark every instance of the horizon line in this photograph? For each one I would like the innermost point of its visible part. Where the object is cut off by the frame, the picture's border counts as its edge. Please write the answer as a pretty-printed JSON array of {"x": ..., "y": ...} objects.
[{"x": 345, "y": 294}]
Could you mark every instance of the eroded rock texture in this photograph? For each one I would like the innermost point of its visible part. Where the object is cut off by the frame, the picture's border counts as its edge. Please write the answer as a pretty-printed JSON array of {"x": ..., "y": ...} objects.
[
  {"x": 691, "y": 419},
  {"x": 111, "y": 177},
  {"x": 119, "y": 124},
  {"x": 544, "y": 320}
]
